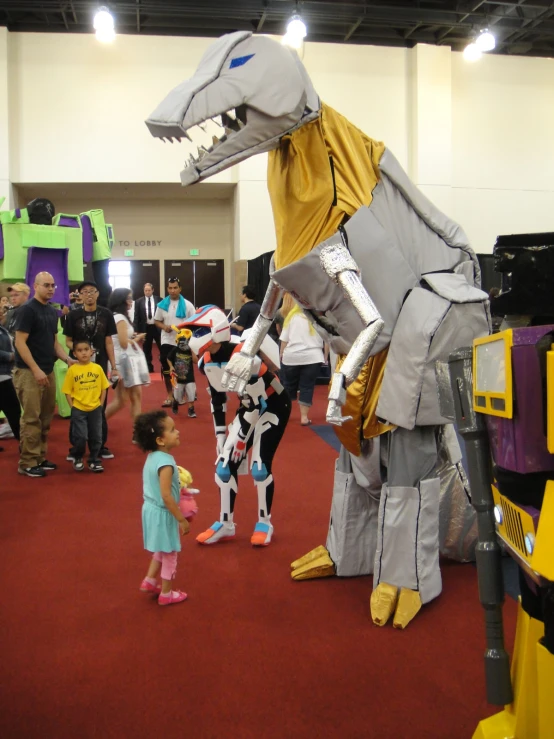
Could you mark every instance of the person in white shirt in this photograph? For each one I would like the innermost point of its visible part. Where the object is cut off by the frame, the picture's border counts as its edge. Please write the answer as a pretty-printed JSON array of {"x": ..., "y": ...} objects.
[
  {"x": 172, "y": 310},
  {"x": 302, "y": 354},
  {"x": 144, "y": 323}
]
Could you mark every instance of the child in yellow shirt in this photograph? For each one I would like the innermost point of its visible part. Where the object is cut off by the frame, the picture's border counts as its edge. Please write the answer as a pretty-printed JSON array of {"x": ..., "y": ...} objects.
[{"x": 85, "y": 388}]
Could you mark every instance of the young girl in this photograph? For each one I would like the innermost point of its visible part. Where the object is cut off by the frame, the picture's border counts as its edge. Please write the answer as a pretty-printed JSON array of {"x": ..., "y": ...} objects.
[{"x": 162, "y": 520}]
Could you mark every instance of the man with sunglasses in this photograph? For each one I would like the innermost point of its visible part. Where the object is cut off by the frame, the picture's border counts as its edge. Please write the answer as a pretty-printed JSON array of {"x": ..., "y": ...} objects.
[
  {"x": 36, "y": 350},
  {"x": 95, "y": 324},
  {"x": 171, "y": 311}
]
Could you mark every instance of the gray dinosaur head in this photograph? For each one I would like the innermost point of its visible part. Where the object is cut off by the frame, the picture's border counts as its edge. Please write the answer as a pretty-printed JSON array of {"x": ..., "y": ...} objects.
[{"x": 247, "y": 92}]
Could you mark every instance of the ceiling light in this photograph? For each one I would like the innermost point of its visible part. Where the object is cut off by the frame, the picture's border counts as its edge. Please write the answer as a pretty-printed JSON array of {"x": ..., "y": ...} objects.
[
  {"x": 104, "y": 25},
  {"x": 485, "y": 41},
  {"x": 472, "y": 53},
  {"x": 296, "y": 32}
]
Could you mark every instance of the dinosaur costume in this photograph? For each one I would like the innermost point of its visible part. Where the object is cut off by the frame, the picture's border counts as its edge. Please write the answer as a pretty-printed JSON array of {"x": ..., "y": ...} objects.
[{"x": 389, "y": 282}]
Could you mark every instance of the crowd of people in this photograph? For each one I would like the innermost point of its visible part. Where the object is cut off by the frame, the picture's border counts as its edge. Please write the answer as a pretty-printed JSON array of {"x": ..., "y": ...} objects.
[{"x": 110, "y": 348}]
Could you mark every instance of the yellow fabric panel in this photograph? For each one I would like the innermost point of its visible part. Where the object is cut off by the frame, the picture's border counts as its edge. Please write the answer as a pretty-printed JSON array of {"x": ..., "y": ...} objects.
[
  {"x": 300, "y": 182},
  {"x": 85, "y": 383},
  {"x": 361, "y": 403}
]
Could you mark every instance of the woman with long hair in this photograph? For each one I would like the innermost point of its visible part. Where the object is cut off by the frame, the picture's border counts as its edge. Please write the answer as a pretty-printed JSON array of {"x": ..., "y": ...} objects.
[
  {"x": 125, "y": 340},
  {"x": 301, "y": 356}
]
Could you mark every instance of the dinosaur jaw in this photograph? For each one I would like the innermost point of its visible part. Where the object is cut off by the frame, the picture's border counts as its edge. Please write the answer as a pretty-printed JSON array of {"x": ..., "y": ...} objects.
[{"x": 218, "y": 142}]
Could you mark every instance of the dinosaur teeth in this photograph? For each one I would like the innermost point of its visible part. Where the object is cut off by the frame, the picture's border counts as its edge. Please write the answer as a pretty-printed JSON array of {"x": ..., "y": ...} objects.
[{"x": 231, "y": 114}]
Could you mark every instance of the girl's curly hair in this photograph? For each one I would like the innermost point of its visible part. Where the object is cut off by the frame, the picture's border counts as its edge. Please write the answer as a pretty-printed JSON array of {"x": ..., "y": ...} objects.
[{"x": 148, "y": 427}]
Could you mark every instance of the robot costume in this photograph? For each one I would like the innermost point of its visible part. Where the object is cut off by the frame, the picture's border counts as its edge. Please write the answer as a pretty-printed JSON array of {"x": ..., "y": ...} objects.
[
  {"x": 259, "y": 424},
  {"x": 390, "y": 283}
]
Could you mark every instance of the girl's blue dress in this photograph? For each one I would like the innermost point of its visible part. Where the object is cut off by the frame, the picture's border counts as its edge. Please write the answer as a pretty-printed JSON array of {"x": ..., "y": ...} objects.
[{"x": 160, "y": 529}]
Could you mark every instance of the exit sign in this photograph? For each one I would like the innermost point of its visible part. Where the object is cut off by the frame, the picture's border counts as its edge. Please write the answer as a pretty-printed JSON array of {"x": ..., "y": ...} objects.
[
  {"x": 194, "y": 252},
  {"x": 129, "y": 253}
]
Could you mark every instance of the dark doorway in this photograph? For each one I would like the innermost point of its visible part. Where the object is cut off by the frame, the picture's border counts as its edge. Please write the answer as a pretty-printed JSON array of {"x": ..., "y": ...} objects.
[
  {"x": 202, "y": 280},
  {"x": 183, "y": 269},
  {"x": 143, "y": 271},
  {"x": 209, "y": 282}
]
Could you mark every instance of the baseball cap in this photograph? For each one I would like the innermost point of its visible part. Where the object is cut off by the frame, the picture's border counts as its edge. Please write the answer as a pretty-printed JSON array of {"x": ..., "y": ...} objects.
[
  {"x": 19, "y": 287},
  {"x": 86, "y": 283}
]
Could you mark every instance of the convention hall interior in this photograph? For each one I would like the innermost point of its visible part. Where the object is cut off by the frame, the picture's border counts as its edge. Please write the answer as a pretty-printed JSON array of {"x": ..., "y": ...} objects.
[{"x": 451, "y": 103}]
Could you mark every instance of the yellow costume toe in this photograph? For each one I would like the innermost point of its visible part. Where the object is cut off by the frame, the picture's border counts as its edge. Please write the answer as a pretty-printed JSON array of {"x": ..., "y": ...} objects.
[
  {"x": 383, "y": 602},
  {"x": 409, "y": 603},
  {"x": 316, "y": 563}
]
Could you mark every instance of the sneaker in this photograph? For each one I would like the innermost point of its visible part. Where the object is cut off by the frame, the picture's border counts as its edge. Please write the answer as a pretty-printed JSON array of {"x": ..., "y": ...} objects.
[
  {"x": 106, "y": 454},
  {"x": 78, "y": 465},
  {"x": 192, "y": 412},
  {"x": 262, "y": 534},
  {"x": 32, "y": 471},
  {"x": 70, "y": 457},
  {"x": 95, "y": 467},
  {"x": 46, "y": 465},
  {"x": 5, "y": 431},
  {"x": 218, "y": 531},
  {"x": 147, "y": 587},
  {"x": 176, "y": 596}
]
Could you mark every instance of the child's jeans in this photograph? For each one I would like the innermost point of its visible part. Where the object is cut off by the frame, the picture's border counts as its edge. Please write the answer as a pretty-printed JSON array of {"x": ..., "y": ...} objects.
[
  {"x": 86, "y": 426},
  {"x": 169, "y": 564}
]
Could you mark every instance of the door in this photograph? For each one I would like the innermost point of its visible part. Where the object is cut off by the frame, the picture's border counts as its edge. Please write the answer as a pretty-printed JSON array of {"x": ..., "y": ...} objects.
[
  {"x": 209, "y": 282},
  {"x": 183, "y": 269},
  {"x": 142, "y": 271}
]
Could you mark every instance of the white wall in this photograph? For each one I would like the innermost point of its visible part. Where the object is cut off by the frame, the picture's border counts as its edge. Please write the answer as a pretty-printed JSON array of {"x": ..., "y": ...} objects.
[
  {"x": 503, "y": 146},
  {"x": 476, "y": 138}
]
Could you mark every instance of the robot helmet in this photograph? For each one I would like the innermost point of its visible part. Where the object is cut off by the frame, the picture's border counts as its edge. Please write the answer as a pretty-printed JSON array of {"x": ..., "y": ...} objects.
[{"x": 209, "y": 325}]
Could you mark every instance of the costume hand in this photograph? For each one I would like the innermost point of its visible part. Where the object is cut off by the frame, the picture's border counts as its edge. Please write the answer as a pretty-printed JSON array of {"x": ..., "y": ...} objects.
[
  {"x": 40, "y": 377},
  {"x": 238, "y": 372},
  {"x": 184, "y": 527},
  {"x": 239, "y": 450}
]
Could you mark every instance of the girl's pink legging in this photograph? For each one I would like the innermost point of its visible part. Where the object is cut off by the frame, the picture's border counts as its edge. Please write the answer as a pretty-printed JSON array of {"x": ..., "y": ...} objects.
[{"x": 169, "y": 564}]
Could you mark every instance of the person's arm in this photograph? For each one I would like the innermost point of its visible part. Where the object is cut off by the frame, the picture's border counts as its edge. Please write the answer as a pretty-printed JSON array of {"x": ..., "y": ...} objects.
[
  {"x": 122, "y": 334},
  {"x": 26, "y": 356},
  {"x": 69, "y": 400},
  {"x": 108, "y": 343},
  {"x": 282, "y": 349},
  {"x": 60, "y": 352},
  {"x": 166, "y": 478},
  {"x": 159, "y": 322},
  {"x": 102, "y": 397}
]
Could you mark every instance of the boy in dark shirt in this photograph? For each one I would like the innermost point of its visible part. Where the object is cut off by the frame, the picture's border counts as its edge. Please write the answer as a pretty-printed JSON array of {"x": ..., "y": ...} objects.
[{"x": 182, "y": 372}]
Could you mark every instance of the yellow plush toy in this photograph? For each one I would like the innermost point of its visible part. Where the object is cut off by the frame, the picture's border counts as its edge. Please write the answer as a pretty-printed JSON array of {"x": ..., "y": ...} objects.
[{"x": 187, "y": 501}]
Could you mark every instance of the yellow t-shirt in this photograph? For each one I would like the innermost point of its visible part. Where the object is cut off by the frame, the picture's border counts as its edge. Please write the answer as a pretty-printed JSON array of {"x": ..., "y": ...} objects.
[{"x": 84, "y": 383}]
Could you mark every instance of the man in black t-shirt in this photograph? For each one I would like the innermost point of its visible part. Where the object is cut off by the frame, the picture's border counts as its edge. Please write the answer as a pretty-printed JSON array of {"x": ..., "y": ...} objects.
[
  {"x": 95, "y": 324},
  {"x": 36, "y": 350},
  {"x": 249, "y": 311}
]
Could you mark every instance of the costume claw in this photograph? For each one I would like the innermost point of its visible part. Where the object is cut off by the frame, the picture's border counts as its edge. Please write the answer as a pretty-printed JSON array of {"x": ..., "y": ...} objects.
[
  {"x": 316, "y": 563},
  {"x": 383, "y": 603},
  {"x": 409, "y": 603},
  {"x": 217, "y": 532}
]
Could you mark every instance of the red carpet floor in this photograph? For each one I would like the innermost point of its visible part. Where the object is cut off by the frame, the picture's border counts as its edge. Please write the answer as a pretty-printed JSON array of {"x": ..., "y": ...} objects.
[{"x": 251, "y": 653}]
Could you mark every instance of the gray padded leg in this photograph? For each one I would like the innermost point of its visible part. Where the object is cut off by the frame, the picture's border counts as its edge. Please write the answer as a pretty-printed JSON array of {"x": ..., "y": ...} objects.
[
  {"x": 352, "y": 537},
  {"x": 408, "y": 530}
]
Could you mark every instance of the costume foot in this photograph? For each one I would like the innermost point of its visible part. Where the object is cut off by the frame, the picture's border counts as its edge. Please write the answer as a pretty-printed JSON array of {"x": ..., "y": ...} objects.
[
  {"x": 217, "y": 532},
  {"x": 383, "y": 603},
  {"x": 409, "y": 603},
  {"x": 316, "y": 563},
  {"x": 262, "y": 534}
]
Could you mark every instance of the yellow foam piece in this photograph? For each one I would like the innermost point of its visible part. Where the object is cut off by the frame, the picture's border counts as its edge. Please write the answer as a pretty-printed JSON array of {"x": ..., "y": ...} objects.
[
  {"x": 319, "y": 551},
  {"x": 408, "y": 606},
  {"x": 383, "y": 603},
  {"x": 315, "y": 567}
]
